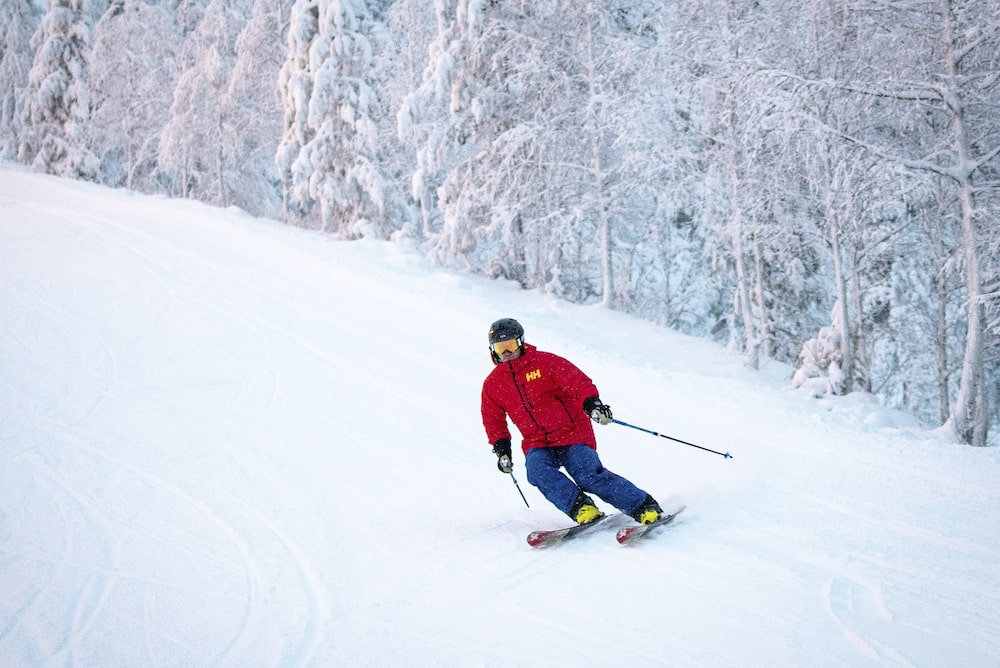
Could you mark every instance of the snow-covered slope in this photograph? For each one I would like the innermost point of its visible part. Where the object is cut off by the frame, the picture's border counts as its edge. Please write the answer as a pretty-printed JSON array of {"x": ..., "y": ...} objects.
[{"x": 227, "y": 442}]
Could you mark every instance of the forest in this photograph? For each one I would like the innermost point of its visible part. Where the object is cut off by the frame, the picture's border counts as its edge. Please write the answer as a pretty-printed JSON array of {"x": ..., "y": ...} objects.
[{"x": 815, "y": 182}]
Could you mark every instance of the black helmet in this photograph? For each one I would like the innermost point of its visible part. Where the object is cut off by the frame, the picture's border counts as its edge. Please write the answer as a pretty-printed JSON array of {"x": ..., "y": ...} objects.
[{"x": 505, "y": 329}]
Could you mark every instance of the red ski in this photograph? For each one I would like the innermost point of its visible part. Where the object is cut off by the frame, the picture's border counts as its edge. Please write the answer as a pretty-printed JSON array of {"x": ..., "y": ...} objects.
[
  {"x": 630, "y": 534},
  {"x": 553, "y": 536}
]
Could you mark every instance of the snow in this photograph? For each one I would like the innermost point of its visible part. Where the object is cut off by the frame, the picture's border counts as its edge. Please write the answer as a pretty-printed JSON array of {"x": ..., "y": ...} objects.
[{"x": 224, "y": 441}]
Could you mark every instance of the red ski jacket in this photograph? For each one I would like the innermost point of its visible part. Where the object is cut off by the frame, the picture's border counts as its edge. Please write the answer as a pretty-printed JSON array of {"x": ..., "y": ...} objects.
[{"x": 543, "y": 394}]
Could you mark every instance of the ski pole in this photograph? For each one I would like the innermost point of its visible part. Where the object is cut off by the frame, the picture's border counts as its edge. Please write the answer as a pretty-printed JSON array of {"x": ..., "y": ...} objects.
[
  {"x": 519, "y": 489},
  {"x": 671, "y": 438}
]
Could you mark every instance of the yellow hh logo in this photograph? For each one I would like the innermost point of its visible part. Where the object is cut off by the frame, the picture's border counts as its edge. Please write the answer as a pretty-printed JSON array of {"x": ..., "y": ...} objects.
[{"x": 533, "y": 375}]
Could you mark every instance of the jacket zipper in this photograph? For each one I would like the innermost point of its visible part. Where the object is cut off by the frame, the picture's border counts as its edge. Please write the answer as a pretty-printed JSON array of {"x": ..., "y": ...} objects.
[{"x": 524, "y": 400}]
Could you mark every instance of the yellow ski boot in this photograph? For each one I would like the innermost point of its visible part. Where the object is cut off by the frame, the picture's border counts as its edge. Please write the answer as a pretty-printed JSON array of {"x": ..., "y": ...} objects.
[
  {"x": 648, "y": 511},
  {"x": 587, "y": 513},
  {"x": 584, "y": 510}
]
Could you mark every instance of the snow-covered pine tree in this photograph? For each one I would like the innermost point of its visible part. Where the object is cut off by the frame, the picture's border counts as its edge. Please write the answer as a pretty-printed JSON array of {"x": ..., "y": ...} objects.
[
  {"x": 295, "y": 83},
  {"x": 820, "y": 366},
  {"x": 18, "y": 20},
  {"x": 423, "y": 124},
  {"x": 329, "y": 152},
  {"x": 57, "y": 104}
]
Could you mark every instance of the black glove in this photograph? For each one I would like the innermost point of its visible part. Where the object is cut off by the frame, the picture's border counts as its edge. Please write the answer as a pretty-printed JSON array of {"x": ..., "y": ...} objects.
[
  {"x": 502, "y": 450},
  {"x": 598, "y": 411}
]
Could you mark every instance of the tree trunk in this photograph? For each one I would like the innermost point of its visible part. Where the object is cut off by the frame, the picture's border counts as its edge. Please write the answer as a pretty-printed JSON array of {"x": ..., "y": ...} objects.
[
  {"x": 970, "y": 415},
  {"x": 765, "y": 331},
  {"x": 744, "y": 308},
  {"x": 597, "y": 168},
  {"x": 860, "y": 359},
  {"x": 941, "y": 347},
  {"x": 841, "y": 317}
]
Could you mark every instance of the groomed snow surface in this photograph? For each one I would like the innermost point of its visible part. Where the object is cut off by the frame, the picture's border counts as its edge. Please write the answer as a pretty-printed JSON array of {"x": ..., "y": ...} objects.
[{"x": 227, "y": 442}]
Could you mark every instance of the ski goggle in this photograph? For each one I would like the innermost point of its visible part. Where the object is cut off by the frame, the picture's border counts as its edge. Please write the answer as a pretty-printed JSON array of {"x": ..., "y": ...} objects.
[{"x": 510, "y": 345}]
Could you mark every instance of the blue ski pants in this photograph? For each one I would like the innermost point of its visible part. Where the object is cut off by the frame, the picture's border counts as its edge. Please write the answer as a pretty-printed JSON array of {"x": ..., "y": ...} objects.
[{"x": 585, "y": 473}]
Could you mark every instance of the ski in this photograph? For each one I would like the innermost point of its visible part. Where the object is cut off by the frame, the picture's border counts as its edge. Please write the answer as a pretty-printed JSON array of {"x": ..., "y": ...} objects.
[
  {"x": 551, "y": 537},
  {"x": 627, "y": 535}
]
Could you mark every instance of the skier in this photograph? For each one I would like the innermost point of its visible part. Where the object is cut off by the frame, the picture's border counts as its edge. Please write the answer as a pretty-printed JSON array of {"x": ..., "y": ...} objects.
[{"x": 549, "y": 400}]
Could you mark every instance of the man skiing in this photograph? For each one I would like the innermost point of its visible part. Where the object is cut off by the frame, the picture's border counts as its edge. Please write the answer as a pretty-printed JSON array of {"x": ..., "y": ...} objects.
[{"x": 552, "y": 403}]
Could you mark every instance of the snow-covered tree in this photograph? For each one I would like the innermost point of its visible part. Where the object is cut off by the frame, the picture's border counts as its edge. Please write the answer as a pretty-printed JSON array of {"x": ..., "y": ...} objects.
[
  {"x": 57, "y": 106},
  {"x": 295, "y": 84},
  {"x": 329, "y": 154},
  {"x": 821, "y": 362},
  {"x": 946, "y": 69},
  {"x": 254, "y": 111},
  {"x": 531, "y": 173},
  {"x": 132, "y": 72},
  {"x": 422, "y": 122},
  {"x": 750, "y": 207},
  {"x": 18, "y": 21},
  {"x": 398, "y": 68},
  {"x": 915, "y": 333},
  {"x": 196, "y": 142}
]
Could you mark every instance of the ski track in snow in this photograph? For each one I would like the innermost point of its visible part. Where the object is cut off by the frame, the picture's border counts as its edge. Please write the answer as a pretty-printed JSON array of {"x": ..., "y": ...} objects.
[
  {"x": 216, "y": 434},
  {"x": 103, "y": 521}
]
